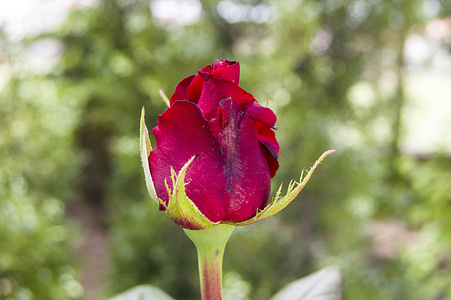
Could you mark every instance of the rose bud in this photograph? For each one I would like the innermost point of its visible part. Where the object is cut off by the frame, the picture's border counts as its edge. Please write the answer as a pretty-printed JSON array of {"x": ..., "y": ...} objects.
[{"x": 215, "y": 153}]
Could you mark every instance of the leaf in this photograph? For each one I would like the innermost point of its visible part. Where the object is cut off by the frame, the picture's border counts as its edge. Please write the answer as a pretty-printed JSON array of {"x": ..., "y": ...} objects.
[
  {"x": 143, "y": 292},
  {"x": 326, "y": 284}
]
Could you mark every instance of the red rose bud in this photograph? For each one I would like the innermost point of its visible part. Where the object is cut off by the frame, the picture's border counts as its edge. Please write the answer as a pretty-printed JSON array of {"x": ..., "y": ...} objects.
[{"x": 215, "y": 152}]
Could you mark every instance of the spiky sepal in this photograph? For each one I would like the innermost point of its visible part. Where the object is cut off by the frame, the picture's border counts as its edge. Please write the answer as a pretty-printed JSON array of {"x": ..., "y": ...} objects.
[
  {"x": 144, "y": 149},
  {"x": 180, "y": 208},
  {"x": 278, "y": 203}
]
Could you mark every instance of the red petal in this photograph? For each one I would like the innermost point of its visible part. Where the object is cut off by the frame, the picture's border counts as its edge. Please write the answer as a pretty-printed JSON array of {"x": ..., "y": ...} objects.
[
  {"x": 267, "y": 137},
  {"x": 215, "y": 90},
  {"x": 228, "y": 70},
  {"x": 190, "y": 88},
  {"x": 195, "y": 89},
  {"x": 261, "y": 114},
  {"x": 182, "y": 133},
  {"x": 270, "y": 147},
  {"x": 222, "y": 63},
  {"x": 181, "y": 90},
  {"x": 247, "y": 170},
  {"x": 266, "y": 121},
  {"x": 206, "y": 69},
  {"x": 230, "y": 177},
  {"x": 272, "y": 162}
]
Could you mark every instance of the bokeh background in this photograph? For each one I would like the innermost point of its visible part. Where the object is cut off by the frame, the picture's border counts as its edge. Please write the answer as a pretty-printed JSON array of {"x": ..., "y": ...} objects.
[{"x": 369, "y": 78}]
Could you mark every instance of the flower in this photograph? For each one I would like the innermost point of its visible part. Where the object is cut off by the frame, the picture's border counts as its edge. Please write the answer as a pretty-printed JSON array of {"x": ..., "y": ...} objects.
[
  {"x": 231, "y": 137},
  {"x": 215, "y": 152}
]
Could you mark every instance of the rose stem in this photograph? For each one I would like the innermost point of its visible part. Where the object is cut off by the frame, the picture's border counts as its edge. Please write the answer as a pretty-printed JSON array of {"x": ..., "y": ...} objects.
[{"x": 210, "y": 244}]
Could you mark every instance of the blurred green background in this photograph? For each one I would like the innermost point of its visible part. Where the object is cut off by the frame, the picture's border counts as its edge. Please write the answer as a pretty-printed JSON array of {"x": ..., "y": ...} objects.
[{"x": 369, "y": 78}]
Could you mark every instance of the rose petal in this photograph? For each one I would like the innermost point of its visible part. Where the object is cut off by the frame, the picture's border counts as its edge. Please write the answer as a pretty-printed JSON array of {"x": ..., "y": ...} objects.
[
  {"x": 272, "y": 162},
  {"x": 229, "y": 179},
  {"x": 190, "y": 88},
  {"x": 207, "y": 69},
  {"x": 267, "y": 137},
  {"x": 195, "y": 88},
  {"x": 182, "y": 133},
  {"x": 228, "y": 70},
  {"x": 261, "y": 114},
  {"x": 181, "y": 90},
  {"x": 222, "y": 63},
  {"x": 270, "y": 146},
  {"x": 215, "y": 90},
  {"x": 247, "y": 170}
]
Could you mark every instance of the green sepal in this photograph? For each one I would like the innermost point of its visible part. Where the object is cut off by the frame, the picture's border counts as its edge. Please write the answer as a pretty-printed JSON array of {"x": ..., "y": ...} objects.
[
  {"x": 180, "y": 208},
  {"x": 278, "y": 203},
  {"x": 164, "y": 97},
  {"x": 144, "y": 149}
]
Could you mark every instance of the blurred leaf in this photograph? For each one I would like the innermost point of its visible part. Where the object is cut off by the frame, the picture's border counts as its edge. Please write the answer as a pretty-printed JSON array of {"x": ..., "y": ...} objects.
[
  {"x": 143, "y": 292},
  {"x": 326, "y": 284}
]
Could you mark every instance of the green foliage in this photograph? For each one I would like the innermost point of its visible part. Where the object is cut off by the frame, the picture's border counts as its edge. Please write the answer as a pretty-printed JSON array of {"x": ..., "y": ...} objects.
[{"x": 38, "y": 166}]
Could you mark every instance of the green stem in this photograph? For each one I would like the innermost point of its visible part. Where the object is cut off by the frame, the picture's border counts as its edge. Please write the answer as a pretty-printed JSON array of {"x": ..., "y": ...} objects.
[{"x": 210, "y": 244}]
